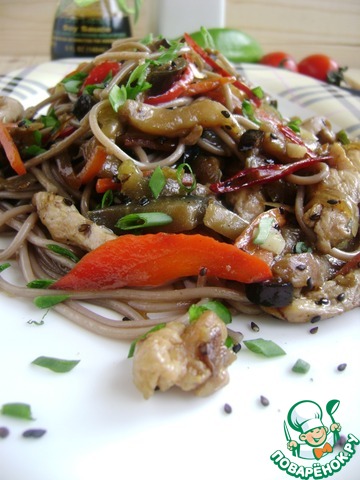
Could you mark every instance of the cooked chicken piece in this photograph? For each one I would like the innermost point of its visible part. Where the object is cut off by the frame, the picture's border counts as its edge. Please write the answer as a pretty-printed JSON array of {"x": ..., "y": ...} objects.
[
  {"x": 248, "y": 203},
  {"x": 332, "y": 210},
  {"x": 193, "y": 357},
  {"x": 10, "y": 110},
  {"x": 67, "y": 225},
  {"x": 303, "y": 268},
  {"x": 335, "y": 297}
]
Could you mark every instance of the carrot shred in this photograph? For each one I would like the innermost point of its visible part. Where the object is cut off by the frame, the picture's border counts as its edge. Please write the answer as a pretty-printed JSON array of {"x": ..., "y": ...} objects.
[
  {"x": 11, "y": 150},
  {"x": 93, "y": 165}
]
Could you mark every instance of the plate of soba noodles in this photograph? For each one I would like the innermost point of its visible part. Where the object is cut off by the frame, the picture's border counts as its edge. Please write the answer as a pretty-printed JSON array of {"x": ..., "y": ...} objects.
[{"x": 179, "y": 274}]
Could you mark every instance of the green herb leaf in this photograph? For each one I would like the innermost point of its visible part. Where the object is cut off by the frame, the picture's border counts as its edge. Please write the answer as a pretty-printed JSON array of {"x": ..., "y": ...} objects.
[
  {"x": 168, "y": 54},
  {"x": 195, "y": 311},
  {"x": 63, "y": 251},
  {"x": 117, "y": 97},
  {"x": 4, "y": 266},
  {"x": 48, "y": 301},
  {"x": 295, "y": 125},
  {"x": 40, "y": 283},
  {"x": 159, "y": 326},
  {"x": 208, "y": 39},
  {"x": 263, "y": 231},
  {"x": 264, "y": 347},
  {"x": 249, "y": 111},
  {"x": 137, "y": 81},
  {"x": 73, "y": 83},
  {"x": 50, "y": 120},
  {"x": 33, "y": 150},
  {"x": 57, "y": 365},
  {"x": 157, "y": 181},
  {"x": 18, "y": 410},
  {"x": 301, "y": 366},
  {"x": 143, "y": 220}
]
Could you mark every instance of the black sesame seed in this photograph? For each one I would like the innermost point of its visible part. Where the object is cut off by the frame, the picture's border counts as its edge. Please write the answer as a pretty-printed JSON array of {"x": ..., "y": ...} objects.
[
  {"x": 203, "y": 271},
  {"x": 227, "y": 408},
  {"x": 310, "y": 283},
  {"x": 84, "y": 228},
  {"x": 273, "y": 136},
  {"x": 4, "y": 432},
  {"x": 315, "y": 216},
  {"x": 322, "y": 301},
  {"x": 340, "y": 297},
  {"x": 315, "y": 319},
  {"x": 144, "y": 201},
  {"x": 34, "y": 433},
  {"x": 236, "y": 348},
  {"x": 301, "y": 267},
  {"x": 332, "y": 201},
  {"x": 68, "y": 202},
  {"x": 314, "y": 330},
  {"x": 254, "y": 327},
  {"x": 264, "y": 401},
  {"x": 341, "y": 367},
  {"x": 225, "y": 113}
]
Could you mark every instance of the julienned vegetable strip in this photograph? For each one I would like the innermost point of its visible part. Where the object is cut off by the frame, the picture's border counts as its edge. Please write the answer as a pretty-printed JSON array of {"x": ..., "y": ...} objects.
[
  {"x": 11, "y": 150},
  {"x": 218, "y": 69},
  {"x": 177, "y": 89},
  {"x": 155, "y": 259}
]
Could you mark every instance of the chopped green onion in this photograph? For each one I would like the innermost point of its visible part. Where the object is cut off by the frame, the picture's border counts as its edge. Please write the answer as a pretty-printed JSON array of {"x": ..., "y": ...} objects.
[
  {"x": 143, "y": 220},
  {"x": 180, "y": 171},
  {"x": 63, "y": 251},
  {"x": 249, "y": 111},
  {"x": 57, "y": 365},
  {"x": 107, "y": 199},
  {"x": 159, "y": 326},
  {"x": 342, "y": 136},
  {"x": 48, "y": 301},
  {"x": 50, "y": 120},
  {"x": 258, "y": 92},
  {"x": 157, "y": 181},
  {"x": 263, "y": 230},
  {"x": 221, "y": 311},
  {"x": 18, "y": 410},
  {"x": 4, "y": 266},
  {"x": 301, "y": 366},
  {"x": 264, "y": 347},
  {"x": 40, "y": 283},
  {"x": 301, "y": 247},
  {"x": 208, "y": 39}
]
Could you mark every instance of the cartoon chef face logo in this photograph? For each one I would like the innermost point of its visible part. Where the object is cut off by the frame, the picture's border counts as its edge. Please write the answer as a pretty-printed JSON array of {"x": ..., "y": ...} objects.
[{"x": 315, "y": 439}]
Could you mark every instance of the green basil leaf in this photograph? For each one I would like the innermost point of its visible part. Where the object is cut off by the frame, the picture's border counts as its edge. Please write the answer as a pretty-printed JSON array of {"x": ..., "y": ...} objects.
[
  {"x": 264, "y": 347},
  {"x": 57, "y": 365},
  {"x": 18, "y": 410}
]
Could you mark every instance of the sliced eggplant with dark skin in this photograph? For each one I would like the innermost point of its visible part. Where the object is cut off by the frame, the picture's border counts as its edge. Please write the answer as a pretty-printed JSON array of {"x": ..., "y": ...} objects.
[
  {"x": 187, "y": 213},
  {"x": 270, "y": 293}
]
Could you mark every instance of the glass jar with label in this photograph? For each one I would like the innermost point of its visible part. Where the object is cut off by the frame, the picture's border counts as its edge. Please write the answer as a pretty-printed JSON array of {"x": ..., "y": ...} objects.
[{"x": 86, "y": 28}]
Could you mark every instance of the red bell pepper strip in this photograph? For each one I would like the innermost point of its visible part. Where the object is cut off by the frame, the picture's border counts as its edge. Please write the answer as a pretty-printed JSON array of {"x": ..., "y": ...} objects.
[
  {"x": 221, "y": 71},
  {"x": 155, "y": 259},
  {"x": 93, "y": 164},
  {"x": 177, "y": 89},
  {"x": 11, "y": 150},
  {"x": 204, "y": 86},
  {"x": 260, "y": 175},
  {"x": 99, "y": 73},
  {"x": 105, "y": 184}
]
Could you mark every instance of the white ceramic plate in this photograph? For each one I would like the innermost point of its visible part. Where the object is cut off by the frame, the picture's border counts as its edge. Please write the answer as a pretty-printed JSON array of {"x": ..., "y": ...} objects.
[{"x": 98, "y": 425}]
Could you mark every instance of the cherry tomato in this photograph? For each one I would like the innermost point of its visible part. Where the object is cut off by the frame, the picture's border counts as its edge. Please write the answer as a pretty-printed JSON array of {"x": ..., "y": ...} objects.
[
  {"x": 318, "y": 66},
  {"x": 280, "y": 60}
]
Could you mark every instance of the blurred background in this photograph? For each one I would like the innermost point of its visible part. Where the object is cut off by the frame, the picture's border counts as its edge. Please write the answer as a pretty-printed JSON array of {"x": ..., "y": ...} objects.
[{"x": 300, "y": 28}]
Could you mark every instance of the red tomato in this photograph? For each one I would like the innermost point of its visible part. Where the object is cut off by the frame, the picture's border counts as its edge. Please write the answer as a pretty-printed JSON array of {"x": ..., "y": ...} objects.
[
  {"x": 280, "y": 60},
  {"x": 318, "y": 66}
]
